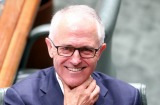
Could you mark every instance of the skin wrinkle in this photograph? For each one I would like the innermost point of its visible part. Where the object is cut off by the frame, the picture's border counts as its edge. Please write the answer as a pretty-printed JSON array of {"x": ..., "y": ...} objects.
[
  {"x": 78, "y": 29},
  {"x": 73, "y": 27},
  {"x": 72, "y": 30},
  {"x": 76, "y": 60}
]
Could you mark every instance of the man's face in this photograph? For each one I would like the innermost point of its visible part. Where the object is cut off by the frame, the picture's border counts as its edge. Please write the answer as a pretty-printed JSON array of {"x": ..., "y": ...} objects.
[{"x": 74, "y": 70}]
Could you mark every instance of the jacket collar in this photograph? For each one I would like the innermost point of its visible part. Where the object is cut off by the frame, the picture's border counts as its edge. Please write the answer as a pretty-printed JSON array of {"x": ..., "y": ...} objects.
[
  {"x": 105, "y": 97},
  {"x": 50, "y": 86}
]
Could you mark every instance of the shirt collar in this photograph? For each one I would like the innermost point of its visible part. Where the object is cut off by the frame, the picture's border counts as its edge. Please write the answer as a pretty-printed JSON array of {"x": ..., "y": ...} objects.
[{"x": 60, "y": 82}]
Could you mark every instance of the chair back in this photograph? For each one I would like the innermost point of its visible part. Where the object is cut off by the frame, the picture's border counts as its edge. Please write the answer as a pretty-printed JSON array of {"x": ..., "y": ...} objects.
[
  {"x": 2, "y": 94},
  {"x": 142, "y": 91}
]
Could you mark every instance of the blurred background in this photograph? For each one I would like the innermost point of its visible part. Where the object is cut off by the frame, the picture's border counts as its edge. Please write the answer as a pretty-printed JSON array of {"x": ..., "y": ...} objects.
[{"x": 136, "y": 45}]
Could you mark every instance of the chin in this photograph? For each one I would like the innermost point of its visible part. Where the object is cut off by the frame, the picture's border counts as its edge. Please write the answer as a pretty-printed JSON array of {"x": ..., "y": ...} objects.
[{"x": 73, "y": 84}]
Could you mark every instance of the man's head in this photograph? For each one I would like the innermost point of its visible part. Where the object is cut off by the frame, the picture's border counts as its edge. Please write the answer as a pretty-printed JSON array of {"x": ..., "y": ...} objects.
[{"x": 76, "y": 41}]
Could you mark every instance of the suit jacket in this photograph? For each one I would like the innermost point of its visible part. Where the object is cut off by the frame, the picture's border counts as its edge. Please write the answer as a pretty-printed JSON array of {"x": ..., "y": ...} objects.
[{"x": 42, "y": 88}]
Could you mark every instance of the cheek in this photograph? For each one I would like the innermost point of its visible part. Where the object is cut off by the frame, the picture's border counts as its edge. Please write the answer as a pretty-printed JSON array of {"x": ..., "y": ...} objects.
[
  {"x": 91, "y": 67},
  {"x": 58, "y": 61},
  {"x": 92, "y": 63}
]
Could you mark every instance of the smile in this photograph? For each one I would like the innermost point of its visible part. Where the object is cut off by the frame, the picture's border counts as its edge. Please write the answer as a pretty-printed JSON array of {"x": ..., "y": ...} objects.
[{"x": 75, "y": 69}]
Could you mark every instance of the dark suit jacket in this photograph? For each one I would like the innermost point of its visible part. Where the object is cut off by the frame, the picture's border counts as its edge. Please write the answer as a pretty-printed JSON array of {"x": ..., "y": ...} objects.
[{"x": 42, "y": 88}]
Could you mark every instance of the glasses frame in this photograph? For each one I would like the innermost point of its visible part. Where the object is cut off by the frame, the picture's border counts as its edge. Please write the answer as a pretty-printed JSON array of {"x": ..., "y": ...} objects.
[{"x": 74, "y": 50}]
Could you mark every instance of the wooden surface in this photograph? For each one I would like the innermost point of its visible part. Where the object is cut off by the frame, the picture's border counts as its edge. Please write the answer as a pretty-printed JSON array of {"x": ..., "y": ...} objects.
[
  {"x": 8, "y": 22},
  {"x": 14, "y": 43}
]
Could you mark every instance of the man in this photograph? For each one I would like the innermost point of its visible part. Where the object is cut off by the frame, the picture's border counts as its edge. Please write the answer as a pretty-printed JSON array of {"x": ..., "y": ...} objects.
[{"x": 75, "y": 43}]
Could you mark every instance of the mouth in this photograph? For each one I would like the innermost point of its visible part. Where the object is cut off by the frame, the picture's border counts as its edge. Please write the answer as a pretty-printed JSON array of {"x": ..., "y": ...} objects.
[{"x": 75, "y": 69}]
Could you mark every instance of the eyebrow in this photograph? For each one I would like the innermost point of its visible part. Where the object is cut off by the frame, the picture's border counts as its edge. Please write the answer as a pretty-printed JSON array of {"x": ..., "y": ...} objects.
[{"x": 90, "y": 47}]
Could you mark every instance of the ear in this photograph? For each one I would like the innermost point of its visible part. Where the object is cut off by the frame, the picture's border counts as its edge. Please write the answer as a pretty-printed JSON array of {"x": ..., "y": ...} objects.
[
  {"x": 49, "y": 46},
  {"x": 103, "y": 47}
]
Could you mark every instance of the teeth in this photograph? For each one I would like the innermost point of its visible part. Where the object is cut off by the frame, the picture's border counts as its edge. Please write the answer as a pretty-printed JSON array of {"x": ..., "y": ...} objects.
[{"x": 75, "y": 69}]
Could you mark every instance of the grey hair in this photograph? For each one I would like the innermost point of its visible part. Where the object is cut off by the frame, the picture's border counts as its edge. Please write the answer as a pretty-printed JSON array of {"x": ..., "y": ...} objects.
[{"x": 82, "y": 9}]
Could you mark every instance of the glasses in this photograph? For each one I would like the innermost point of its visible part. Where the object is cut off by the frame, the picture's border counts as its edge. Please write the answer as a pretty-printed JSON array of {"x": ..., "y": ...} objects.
[{"x": 67, "y": 51}]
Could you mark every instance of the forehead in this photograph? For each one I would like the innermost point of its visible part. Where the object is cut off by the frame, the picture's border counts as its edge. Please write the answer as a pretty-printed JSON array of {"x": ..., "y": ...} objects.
[{"x": 77, "y": 29}]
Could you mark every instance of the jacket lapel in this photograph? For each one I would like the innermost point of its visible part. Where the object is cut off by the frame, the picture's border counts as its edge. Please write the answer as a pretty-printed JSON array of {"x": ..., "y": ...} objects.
[
  {"x": 50, "y": 86},
  {"x": 105, "y": 97},
  {"x": 50, "y": 91}
]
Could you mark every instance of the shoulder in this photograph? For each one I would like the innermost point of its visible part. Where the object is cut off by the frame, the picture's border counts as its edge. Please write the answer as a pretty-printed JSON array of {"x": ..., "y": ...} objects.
[
  {"x": 29, "y": 89},
  {"x": 118, "y": 89},
  {"x": 111, "y": 81},
  {"x": 34, "y": 80}
]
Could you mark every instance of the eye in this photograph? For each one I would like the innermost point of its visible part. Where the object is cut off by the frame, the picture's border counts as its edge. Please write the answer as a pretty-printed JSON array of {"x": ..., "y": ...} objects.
[
  {"x": 66, "y": 49},
  {"x": 87, "y": 51}
]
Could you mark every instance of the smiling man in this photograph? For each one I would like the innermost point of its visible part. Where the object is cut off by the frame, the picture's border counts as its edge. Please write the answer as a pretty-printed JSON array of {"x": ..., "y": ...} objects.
[{"x": 75, "y": 43}]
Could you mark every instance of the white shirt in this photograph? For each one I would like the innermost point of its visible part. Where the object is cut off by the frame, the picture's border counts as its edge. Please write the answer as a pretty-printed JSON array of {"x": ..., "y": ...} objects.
[{"x": 60, "y": 83}]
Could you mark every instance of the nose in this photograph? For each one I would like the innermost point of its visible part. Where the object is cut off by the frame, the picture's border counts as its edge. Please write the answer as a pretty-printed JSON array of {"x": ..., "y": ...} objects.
[{"x": 76, "y": 58}]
